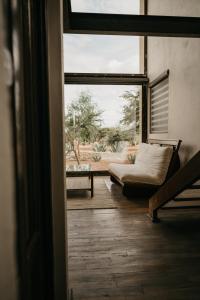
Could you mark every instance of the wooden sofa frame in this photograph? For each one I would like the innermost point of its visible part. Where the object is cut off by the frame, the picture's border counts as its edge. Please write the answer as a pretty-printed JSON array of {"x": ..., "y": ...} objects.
[{"x": 147, "y": 190}]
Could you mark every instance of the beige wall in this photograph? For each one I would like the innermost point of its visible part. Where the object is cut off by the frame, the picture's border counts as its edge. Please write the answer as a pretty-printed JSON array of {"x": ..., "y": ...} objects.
[
  {"x": 8, "y": 270},
  {"x": 182, "y": 57}
]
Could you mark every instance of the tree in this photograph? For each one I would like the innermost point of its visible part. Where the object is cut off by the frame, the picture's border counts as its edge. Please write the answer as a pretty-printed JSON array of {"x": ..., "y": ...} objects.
[
  {"x": 114, "y": 138},
  {"x": 131, "y": 109},
  {"x": 82, "y": 122}
]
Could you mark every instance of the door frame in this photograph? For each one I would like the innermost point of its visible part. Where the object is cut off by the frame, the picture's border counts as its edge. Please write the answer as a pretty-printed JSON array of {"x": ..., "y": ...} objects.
[
  {"x": 53, "y": 126},
  {"x": 54, "y": 13},
  {"x": 47, "y": 130}
]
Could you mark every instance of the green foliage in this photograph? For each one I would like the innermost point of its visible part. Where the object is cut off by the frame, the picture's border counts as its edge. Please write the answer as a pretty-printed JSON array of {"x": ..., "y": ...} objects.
[
  {"x": 115, "y": 136},
  {"x": 112, "y": 137},
  {"x": 83, "y": 119},
  {"x": 99, "y": 147},
  {"x": 96, "y": 156},
  {"x": 68, "y": 148},
  {"x": 131, "y": 158},
  {"x": 102, "y": 134},
  {"x": 131, "y": 112},
  {"x": 82, "y": 122}
]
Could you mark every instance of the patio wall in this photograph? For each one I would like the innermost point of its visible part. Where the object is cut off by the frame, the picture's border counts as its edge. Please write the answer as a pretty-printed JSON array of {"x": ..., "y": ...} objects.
[{"x": 182, "y": 57}]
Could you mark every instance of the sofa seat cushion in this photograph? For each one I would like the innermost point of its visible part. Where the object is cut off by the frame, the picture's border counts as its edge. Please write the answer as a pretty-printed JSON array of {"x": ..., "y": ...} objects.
[
  {"x": 132, "y": 174},
  {"x": 151, "y": 166}
]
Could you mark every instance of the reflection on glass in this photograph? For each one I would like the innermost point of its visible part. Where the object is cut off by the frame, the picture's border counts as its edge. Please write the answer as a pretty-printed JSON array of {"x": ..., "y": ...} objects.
[
  {"x": 102, "y": 54},
  {"x": 106, "y": 6}
]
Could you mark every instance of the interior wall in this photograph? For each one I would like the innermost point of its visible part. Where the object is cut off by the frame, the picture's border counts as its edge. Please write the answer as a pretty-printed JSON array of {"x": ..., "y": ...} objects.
[
  {"x": 8, "y": 272},
  {"x": 182, "y": 57}
]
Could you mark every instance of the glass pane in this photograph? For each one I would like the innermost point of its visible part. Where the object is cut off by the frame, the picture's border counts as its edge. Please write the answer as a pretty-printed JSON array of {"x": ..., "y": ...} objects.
[
  {"x": 102, "y": 124},
  {"x": 183, "y": 8},
  {"x": 106, "y": 6},
  {"x": 102, "y": 54}
]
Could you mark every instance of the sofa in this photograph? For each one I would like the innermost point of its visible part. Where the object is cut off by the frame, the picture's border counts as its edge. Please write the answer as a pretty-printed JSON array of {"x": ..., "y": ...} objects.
[{"x": 156, "y": 161}]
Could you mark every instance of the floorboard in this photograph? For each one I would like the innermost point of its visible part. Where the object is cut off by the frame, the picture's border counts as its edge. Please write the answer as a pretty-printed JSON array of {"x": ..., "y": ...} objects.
[
  {"x": 118, "y": 254},
  {"x": 106, "y": 195}
]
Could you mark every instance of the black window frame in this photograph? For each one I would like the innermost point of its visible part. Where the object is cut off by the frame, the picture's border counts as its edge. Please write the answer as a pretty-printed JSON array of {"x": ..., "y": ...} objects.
[
  {"x": 115, "y": 79},
  {"x": 109, "y": 78}
]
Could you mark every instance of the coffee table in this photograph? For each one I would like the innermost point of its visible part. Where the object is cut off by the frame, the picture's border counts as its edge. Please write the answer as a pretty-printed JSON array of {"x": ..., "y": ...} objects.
[{"x": 82, "y": 170}]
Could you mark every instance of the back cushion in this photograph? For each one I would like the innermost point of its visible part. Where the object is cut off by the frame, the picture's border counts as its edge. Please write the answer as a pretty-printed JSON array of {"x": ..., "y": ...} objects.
[{"x": 154, "y": 159}]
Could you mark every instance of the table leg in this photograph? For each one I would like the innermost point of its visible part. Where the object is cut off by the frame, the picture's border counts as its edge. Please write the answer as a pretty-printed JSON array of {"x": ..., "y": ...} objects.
[{"x": 92, "y": 186}]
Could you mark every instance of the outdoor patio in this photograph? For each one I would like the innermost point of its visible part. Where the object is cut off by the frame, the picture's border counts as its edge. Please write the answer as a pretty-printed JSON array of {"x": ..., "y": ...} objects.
[{"x": 105, "y": 158}]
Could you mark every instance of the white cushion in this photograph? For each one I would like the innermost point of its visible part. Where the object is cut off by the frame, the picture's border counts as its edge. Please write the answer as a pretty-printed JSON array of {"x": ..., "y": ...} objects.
[{"x": 151, "y": 166}]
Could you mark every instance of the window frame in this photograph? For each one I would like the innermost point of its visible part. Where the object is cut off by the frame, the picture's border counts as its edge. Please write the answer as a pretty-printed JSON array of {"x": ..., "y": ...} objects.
[
  {"x": 115, "y": 79},
  {"x": 109, "y": 78},
  {"x": 139, "y": 25}
]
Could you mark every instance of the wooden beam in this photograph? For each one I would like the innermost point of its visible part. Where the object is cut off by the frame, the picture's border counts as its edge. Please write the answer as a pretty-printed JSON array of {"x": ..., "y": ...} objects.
[
  {"x": 139, "y": 25},
  {"x": 184, "y": 178},
  {"x": 105, "y": 79}
]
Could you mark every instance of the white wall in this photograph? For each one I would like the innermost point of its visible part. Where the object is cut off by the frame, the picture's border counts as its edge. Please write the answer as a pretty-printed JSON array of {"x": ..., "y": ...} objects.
[
  {"x": 182, "y": 57},
  {"x": 8, "y": 272}
]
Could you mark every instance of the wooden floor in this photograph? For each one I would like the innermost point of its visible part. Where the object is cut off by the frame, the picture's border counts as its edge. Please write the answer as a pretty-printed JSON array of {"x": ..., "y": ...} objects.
[
  {"x": 118, "y": 254},
  {"x": 106, "y": 195}
]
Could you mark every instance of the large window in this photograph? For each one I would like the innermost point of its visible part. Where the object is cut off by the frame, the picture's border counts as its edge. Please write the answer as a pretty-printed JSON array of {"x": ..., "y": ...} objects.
[{"x": 102, "y": 124}]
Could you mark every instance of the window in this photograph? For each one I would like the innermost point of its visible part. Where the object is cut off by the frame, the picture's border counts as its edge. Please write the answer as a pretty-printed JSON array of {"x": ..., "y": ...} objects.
[
  {"x": 102, "y": 123},
  {"x": 159, "y": 99}
]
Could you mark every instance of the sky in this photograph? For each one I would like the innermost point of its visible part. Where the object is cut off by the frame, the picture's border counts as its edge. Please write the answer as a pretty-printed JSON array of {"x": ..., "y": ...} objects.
[
  {"x": 106, "y": 6},
  {"x": 107, "y": 98},
  {"x": 101, "y": 53},
  {"x": 85, "y": 53}
]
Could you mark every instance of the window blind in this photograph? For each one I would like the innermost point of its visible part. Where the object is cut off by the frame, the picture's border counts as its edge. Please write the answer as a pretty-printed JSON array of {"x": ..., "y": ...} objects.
[{"x": 159, "y": 101}]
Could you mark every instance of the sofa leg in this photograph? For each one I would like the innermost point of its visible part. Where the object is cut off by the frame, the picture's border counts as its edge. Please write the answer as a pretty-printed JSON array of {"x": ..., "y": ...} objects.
[
  {"x": 112, "y": 178},
  {"x": 154, "y": 217},
  {"x": 125, "y": 191}
]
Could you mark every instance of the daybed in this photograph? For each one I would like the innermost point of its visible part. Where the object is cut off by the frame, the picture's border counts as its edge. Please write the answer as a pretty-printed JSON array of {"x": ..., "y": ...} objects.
[{"x": 156, "y": 161}]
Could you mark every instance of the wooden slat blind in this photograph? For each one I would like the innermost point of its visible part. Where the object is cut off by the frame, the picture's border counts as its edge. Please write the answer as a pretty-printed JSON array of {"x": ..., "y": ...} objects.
[{"x": 159, "y": 99}]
